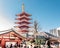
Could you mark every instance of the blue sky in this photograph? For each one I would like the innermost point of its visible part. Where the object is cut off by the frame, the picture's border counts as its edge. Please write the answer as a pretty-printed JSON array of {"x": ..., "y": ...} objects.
[{"x": 46, "y": 12}]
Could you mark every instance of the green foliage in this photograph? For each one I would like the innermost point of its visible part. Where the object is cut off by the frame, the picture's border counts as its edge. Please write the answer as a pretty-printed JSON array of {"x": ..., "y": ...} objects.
[{"x": 39, "y": 41}]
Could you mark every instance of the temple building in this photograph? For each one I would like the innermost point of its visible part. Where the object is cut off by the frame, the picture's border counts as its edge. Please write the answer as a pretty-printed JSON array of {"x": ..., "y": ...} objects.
[{"x": 10, "y": 36}]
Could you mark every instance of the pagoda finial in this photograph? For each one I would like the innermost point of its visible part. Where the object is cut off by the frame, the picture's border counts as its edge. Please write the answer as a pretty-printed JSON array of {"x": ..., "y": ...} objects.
[{"x": 23, "y": 7}]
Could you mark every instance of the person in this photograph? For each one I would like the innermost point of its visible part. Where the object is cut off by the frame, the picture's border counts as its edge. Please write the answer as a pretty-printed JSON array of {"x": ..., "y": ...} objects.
[
  {"x": 24, "y": 45},
  {"x": 18, "y": 45},
  {"x": 31, "y": 46},
  {"x": 48, "y": 43},
  {"x": 35, "y": 46},
  {"x": 52, "y": 45},
  {"x": 21, "y": 45},
  {"x": 7, "y": 46},
  {"x": 11, "y": 46},
  {"x": 15, "y": 46}
]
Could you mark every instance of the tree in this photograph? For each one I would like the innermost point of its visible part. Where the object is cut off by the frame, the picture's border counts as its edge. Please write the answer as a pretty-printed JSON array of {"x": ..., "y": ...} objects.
[
  {"x": 35, "y": 26},
  {"x": 36, "y": 32}
]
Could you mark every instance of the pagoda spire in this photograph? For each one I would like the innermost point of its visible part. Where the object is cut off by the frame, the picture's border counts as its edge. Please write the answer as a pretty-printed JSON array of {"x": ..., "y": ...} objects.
[{"x": 23, "y": 7}]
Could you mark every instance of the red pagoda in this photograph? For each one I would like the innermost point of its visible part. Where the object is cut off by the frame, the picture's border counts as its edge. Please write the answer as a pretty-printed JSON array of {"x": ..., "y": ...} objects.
[{"x": 23, "y": 23}]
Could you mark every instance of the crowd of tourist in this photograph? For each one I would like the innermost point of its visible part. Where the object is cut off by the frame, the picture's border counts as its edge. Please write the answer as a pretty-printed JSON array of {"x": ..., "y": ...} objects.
[
  {"x": 28, "y": 46},
  {"x": 21, "y": 45},
  {"x": 24, "y": 44}
]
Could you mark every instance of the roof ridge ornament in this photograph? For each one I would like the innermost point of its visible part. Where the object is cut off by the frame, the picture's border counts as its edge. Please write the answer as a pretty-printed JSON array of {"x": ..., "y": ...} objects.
[{"x": 23, "y": 7}]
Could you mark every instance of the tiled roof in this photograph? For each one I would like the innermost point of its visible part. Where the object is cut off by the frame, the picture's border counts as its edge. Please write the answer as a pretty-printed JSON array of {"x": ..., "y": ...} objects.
[{"x": 11, "y": 30}]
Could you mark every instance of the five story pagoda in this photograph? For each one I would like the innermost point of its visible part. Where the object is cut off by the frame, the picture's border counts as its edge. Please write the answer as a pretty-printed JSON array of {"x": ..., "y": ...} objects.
[{"x": 23, "y": 23}]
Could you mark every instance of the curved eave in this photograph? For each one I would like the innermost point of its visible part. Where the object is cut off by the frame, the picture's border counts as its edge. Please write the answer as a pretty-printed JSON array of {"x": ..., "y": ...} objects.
[
  {"x": 23, "y": 18},
  {"x": 22, "y": 22},
  {"x": 24, "y": 26},
  {"x": 23, "y": 13},
  {"x": 24, "y": 31},
  {"x": 21, "y": 27}
]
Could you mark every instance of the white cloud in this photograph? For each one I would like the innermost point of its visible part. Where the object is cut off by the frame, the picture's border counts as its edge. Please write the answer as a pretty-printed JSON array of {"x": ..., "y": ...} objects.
[{"x": 5, "y": 23}]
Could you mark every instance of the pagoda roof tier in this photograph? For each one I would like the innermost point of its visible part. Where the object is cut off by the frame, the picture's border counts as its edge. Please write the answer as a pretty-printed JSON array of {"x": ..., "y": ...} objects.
[
  {"x": 21, "y": 27},
  {"x": 24, "y": 26},
  {"x": 23, "y": 22},
  {"x": 21, "y": 18},
  {"x": 24, "y": 31},
  {"x": 23, "y": 13}
]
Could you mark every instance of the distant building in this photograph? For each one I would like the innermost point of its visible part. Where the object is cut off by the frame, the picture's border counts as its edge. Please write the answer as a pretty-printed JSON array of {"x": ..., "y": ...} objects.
[{"x": 55, "y": 32}]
